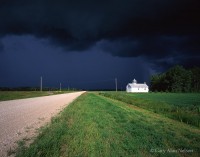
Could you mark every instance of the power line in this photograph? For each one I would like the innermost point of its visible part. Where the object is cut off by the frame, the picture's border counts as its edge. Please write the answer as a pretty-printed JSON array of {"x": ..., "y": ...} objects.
[
  {"x": 116, "y": 84},
  {"x": 41, "y": 83}
]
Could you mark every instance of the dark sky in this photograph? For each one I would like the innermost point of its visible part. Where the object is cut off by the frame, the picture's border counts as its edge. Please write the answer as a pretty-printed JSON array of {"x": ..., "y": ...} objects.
[{"x": 86, "y": 44}]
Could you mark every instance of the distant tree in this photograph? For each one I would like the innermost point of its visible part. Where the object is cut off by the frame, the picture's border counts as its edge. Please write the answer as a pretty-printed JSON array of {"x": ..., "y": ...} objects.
[
  {"x": 158, "y": 82},
  {"x": 177, "y": 79},
  {"x": 187, "y": 83},
  {"x": 195, "y": 79},
  {"x": 155, "y": 81}
]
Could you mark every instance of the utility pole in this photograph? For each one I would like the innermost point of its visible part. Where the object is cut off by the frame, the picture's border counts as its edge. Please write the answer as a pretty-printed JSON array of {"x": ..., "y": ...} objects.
[
  {"x": 116, "y": 84},
  {"x": 41, "y": 83},
  {"x": 60, "y": 87}
]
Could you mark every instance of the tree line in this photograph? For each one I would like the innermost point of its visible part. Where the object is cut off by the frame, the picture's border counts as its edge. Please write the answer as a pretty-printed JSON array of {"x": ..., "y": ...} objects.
[{"x": 177, "y": 79}]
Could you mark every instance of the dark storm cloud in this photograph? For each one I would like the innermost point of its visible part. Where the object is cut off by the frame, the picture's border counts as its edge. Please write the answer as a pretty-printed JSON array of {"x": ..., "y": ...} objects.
[
  {"x": 127, "y": 28},
  {"x": 160, "y": 50},
  {"x": 1, "y": 46},
  {"x": 97, "y": 19},
  {"x": 143, "y": 46}
]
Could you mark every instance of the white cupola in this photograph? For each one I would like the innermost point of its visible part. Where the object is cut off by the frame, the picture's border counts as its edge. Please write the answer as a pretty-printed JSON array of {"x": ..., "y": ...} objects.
[{"x": 134, "y": 81}]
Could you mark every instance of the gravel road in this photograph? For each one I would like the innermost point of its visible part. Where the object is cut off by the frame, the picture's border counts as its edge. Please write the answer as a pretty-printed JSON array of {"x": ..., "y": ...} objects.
[{"x": 20, "y": 119}]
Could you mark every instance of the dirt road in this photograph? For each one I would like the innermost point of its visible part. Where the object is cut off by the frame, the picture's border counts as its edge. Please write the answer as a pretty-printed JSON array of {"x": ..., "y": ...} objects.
[{"x": 19, "y": 119}]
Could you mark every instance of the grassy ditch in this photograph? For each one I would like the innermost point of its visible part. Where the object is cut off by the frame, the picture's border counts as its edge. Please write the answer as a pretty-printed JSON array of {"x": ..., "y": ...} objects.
[
  {"x": 97, "y": 126},
  {"x": 11, "y": 95},
  {"x": 184, "y": 107}
]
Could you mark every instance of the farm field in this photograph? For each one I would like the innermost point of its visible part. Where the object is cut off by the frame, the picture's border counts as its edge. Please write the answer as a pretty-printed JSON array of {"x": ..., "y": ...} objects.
[
  {"x": 94, "y": 125},
  {"x": 11, "y": 95},
  {"x": 183, "y": 107},
  {"x": 177, "y": 99}
]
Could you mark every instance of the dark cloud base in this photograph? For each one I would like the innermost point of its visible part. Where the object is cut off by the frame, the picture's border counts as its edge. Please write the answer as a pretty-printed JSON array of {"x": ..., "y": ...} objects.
[{"x": 163, "y": 32}]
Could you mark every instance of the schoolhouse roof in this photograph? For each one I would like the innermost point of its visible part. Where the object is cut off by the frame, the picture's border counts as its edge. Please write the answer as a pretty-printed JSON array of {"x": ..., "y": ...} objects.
[{"x": 132, "y": 85}]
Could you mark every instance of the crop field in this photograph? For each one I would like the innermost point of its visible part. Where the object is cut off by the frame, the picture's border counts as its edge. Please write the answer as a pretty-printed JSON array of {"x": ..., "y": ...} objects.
[
  {"x": 183, "y": 107},
  {"x": 11, "y": 95},
  {"x": 95, "y": 125}
]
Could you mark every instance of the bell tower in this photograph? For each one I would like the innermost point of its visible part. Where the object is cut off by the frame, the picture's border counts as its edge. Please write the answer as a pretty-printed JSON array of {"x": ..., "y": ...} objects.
[{"x": 134, "y": 81}]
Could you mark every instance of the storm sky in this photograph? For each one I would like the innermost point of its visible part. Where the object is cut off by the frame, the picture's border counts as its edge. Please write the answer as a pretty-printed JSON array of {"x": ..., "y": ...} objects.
[{"x": 87, "y": 44}]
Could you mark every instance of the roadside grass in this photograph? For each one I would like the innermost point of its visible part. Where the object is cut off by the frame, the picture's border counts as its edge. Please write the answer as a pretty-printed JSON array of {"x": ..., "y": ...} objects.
[
  {"x": 94, "y": 125},
  {"x": 183, "y": 107},
  {"x": 12, "y": 95}
]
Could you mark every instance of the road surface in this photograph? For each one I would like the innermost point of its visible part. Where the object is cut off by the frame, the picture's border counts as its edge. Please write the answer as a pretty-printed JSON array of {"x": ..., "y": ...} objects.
[{"x": 19, "y": 119}]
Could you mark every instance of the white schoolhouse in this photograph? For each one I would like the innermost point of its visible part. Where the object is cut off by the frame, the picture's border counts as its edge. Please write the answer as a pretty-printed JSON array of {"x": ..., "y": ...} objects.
[{"x": 134, "y": 87}]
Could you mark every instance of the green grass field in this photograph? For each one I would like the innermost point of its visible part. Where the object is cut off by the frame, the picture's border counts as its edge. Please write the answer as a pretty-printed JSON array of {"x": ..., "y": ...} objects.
[
  {"x": 183, "y": 107},
  {"x": 11, "y": 95},
  {"x": 176, "y": 99},
  {"x": 94, "y": 125}
]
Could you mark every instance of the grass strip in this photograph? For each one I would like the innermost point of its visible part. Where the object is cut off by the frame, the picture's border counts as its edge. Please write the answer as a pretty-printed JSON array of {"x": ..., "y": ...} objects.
[
  {"x": 97, "y": 126},
  {"x": 12, "y": 95}
]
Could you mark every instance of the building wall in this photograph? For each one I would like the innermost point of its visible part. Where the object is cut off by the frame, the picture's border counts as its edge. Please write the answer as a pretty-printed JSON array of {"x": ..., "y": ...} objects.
[{"x": 137, "y": 90}]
